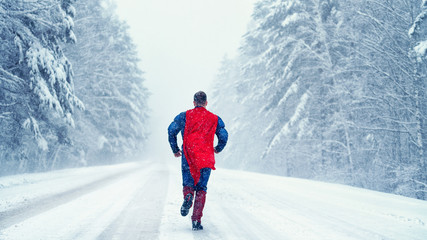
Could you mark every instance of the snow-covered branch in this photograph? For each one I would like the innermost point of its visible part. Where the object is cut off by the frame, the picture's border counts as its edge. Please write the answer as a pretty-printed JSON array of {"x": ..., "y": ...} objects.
[{"x": 47, "y": 6}]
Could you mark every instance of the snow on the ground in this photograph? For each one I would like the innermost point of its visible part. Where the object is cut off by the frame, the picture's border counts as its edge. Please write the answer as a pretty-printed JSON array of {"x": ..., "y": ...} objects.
[
  {"x": 17, "y": 190},
  {"x": 142, "y": 201}
]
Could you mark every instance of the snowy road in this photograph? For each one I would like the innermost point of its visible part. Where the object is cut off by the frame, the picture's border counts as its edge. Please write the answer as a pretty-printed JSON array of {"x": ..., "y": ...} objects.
[{"x": 142, "y": 201}]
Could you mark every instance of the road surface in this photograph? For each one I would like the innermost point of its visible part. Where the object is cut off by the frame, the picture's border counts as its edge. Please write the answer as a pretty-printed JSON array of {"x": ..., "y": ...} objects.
[{"x": 142, "y": 201}]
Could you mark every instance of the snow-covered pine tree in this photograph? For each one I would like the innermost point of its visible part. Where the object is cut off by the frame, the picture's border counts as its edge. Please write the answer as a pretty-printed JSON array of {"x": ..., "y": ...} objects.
[
  {"x": 288, "y": 72},
  {"x": 110, "y": 82},
  {"x": 37, "y": 98},
  {"x": 244, "y": 74},
  {"x": 418, "y": 53}
]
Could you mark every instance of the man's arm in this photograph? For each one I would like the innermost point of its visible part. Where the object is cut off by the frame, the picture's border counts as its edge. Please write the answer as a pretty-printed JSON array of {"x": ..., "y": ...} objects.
[
  {"x": 222, "y": 135},
  {"x": 174, "y": 128}
]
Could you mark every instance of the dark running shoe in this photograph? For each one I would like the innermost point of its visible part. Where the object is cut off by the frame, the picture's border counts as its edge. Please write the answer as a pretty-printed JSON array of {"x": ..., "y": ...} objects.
[
  {"x": 197, "y": 226},
  {"x": 186, "y": 205}
]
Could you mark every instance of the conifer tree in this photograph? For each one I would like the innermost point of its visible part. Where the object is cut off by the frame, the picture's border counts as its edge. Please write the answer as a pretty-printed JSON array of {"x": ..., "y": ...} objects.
[
  {"x": 110, "y": 82},
  {"x": 37, "y": 98},
  {"x": 418, "y": 53}
]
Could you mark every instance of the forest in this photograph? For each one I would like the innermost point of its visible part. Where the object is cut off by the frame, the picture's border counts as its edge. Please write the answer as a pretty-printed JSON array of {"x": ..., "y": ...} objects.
[
  {"x": 71, "y": 90},
  {"x": 331, "y": 90}
]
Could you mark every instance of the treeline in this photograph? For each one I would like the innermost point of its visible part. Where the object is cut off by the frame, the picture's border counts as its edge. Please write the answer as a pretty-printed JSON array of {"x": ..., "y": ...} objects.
[
  {"x": 331, "y": 90},
  {"x": 71, "y": 90}
]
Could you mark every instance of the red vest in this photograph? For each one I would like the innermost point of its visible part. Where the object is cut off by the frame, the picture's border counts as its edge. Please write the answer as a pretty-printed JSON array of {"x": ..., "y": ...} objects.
[{"x": 198, "y": 143}]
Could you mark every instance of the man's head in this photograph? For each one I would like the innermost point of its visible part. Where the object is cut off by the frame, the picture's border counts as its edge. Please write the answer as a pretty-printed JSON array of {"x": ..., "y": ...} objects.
[{"x": 200, "y": 99}]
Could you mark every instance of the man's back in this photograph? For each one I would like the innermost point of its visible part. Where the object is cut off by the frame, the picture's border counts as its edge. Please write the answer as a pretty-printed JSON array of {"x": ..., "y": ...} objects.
[{"x": 199, "y": 134}]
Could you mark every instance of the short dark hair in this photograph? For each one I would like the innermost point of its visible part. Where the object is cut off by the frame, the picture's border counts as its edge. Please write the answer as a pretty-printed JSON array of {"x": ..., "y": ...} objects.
[{"x": 200, "y": 98}]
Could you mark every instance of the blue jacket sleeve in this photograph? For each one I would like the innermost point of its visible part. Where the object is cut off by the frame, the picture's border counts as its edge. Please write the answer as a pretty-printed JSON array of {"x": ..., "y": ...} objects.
[
  {"x": 174, "y": 128},
  {"x": 222, "y": 135}
]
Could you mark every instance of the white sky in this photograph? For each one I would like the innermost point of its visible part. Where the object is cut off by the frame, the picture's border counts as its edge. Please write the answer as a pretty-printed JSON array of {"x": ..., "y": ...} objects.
[{"x": 181, "y": 44}]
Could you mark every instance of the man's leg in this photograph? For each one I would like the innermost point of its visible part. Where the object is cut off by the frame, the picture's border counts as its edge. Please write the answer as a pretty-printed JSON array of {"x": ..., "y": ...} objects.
[
  {"x": 199, "y": 202},
  {"x": 188, "y": 187}
]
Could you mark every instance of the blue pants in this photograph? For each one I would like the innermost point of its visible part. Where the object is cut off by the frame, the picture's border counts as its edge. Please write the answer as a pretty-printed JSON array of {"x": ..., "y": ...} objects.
[{"x": 187, "y": 179}]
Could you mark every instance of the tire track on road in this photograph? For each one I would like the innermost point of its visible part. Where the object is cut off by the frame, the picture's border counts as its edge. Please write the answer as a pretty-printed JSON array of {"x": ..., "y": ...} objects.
[{"x": 142, "y": 216}]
